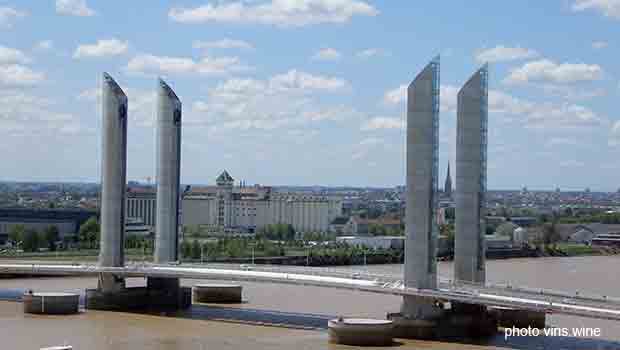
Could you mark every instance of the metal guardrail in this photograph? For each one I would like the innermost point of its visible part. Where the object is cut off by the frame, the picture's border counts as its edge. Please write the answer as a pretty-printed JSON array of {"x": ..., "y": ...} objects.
[{"x": 385, "y": 284}]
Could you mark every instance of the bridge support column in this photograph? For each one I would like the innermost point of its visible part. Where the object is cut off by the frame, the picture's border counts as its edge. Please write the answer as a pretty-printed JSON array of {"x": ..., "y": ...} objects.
[
  {"x": 168, "y": 293},
  {"x": 418, "y": 316},
  {"x": 508, "y": 317},
  {"x": 159, "y": 293}
]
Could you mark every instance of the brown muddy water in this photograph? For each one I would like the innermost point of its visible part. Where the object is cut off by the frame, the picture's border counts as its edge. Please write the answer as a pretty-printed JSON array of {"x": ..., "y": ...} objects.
[{"x": 290, "y": 316}]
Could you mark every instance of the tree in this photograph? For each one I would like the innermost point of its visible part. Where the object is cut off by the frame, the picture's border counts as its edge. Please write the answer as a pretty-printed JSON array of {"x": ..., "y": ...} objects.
[
  {"x": 51, "y": 236},
  {"x": 16, "y": 234},
  {"x": 196, "y": 249},
  {"x": 186, "y": 249},
  {"x": 550, "y": 234},
  {"x": 31, "y": 240},
  {"x": 89, "y": 232}
]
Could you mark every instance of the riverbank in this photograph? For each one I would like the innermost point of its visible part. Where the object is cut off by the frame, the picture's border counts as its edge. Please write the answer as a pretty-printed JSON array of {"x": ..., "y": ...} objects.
[{"x": 335, "y": 257}]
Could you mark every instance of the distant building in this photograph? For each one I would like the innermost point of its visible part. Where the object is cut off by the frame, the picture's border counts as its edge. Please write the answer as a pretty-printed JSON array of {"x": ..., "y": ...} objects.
[
  {"x": 586, "y": 233},
  {"x": 136, "y": 227},
  {"x": 227, "y": 208},
  {"x": 524, "y": 221},
  {"x": 447, "y": 188},
  {"x": 338, "y": 225},
  {"x": 68, "y": 221}
]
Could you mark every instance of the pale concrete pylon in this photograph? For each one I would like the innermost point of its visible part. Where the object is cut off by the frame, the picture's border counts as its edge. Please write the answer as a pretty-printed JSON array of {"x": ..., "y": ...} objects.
[
  {"x": 113, "y": 173},
  {"x": 471, "y": 179},
  {"x": 168, "y": 174},
  {"x": 422, "y": 189}
]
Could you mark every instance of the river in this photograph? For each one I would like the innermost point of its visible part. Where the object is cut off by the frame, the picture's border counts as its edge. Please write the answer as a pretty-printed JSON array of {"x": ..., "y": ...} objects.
[{"x": 296, "y": 316}]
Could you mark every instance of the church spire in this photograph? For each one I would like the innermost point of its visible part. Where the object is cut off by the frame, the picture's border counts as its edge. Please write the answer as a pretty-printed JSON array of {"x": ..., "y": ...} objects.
[{"x": 447, "y": 189}]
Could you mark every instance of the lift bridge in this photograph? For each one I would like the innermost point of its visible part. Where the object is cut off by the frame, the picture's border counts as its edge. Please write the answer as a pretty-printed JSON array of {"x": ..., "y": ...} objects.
[{"x": 448, "y": 291}]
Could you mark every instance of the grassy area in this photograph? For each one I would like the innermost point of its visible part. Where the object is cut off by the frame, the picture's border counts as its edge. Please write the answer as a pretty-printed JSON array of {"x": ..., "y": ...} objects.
[
  {"x": 573, "y": 249},
  {"x": 81, "y": 255}
]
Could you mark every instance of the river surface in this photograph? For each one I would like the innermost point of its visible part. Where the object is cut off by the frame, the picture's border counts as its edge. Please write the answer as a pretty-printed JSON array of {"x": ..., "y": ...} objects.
[{"x": 295, "y": 317}]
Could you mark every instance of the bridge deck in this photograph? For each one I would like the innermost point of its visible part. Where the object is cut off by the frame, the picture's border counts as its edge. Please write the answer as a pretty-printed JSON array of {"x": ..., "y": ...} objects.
[{"x": 489, "y": 295}]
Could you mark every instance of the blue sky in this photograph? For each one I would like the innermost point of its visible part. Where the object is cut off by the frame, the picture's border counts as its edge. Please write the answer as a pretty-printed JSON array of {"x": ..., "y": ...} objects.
[{"x": 311, "y": 92}]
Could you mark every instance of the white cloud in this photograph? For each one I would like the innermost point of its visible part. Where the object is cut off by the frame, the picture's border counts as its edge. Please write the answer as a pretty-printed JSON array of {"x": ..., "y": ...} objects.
[
  {"x": 327, "y": 54},
  {"x": 600, "y": 44},
  {"x": 378, "y": 123},
  {"x": 10, "y": 55},
  {"x": 44, "y": 45},
  {"x": 223, "y": 44},
  {"x": 503, "y": 53},
  {"x": 284, "y": 100},
  {"x": 8, "y": 15},
  {"x": 74, "y": 8},
  {"x": 141, "y": 105},
  {"x": 153, "y": 65},
  {"x": 395, "y": 96},
  {"x": 295, "y": 80},
  {"x": 560, "y": 141},
  {"x": 282, "y": 13},
  {"x": 572, "y": 93},
  {"x": 532, "y": 115},
  {"x": 362, "y": 149},
  {"x": 14, "y": 75},
  {"x": 548, "y": 71},
  {"x": 609, "y": 8},
  {"x": 372, "y": 52},
  {"x": 25, "y": 115},
  {"x": 103, "y": 47},
  {"x": 571, "y": 164}
]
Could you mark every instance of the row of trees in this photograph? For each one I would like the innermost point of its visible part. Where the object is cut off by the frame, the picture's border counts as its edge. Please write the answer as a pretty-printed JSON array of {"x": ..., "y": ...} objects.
[
  {"x": 230, "y": 248},
  {"x": 381, "y": 230},
  {"x": 31, "y": 240},
  {"x": 280, "y": 232}
]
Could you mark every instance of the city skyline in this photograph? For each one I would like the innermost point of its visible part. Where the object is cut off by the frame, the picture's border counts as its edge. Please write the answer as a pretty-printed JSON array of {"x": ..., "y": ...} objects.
[{"x": 308, "y": 99}]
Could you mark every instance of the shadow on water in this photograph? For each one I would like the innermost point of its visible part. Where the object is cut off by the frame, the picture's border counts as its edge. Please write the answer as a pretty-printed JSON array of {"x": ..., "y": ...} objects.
[{"x": 249, "y": 316}]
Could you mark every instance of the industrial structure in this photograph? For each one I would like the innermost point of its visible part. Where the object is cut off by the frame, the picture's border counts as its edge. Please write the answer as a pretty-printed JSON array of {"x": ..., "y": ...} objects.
[
  {"x": 229, "y": 208},
  {"x": 447, "y": 187},
  {"x": 471, "y": 167},
  {"x": 168, "y": 173},
  {"x": 422, "y": 168},
  {"x": 113, "y": 180},
  {"x": 111, "y": 293}
]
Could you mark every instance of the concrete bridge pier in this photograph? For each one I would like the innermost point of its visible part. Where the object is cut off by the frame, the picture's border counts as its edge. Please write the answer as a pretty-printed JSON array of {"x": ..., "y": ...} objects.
[
  {"x": 168, "y": 187},
  {"x": 113, "y": 180},
  {"x": 111, "y": 292},
  {"x": 419, "y": 317}
]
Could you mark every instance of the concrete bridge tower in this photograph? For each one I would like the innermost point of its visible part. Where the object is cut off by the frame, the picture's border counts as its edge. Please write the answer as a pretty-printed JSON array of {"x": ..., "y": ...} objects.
[
  {"x": 113, "y": 180},
  {"x": 471, "y": 179},
  {"x": 422, "y": 191},
  {"x": 168, "y": 174},
  {"x": 168, "y": 187}
]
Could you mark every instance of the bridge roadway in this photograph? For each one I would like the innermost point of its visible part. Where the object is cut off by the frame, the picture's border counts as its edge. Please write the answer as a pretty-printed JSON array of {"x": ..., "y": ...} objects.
[{"x": 601, "y": 307}]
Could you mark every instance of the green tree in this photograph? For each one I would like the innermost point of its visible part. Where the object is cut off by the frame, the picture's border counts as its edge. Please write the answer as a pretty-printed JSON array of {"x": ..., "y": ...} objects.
[
  {"x": 89, "y": 232},
  {"x": 196, "y": 249},
  {"x": 16, "y": 234},
  {"x": 31, "y": 240},
  {"x": 186, "y": 249},
  {"x": 51, "y": 236},
  {"x": 550, "y": 234}
]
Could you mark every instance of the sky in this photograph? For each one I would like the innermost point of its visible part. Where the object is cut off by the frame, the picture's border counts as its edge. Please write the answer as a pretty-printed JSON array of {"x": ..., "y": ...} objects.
[{"x": 311, "y": 92}]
